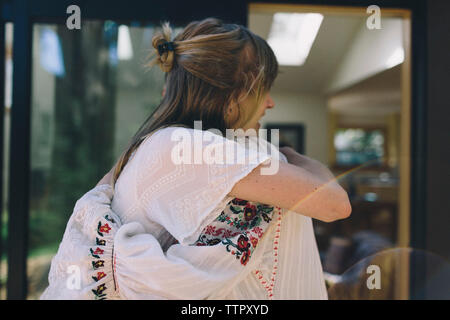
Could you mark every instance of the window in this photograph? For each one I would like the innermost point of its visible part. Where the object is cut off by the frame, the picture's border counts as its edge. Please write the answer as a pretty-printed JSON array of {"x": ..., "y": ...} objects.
[{"x": 358, "y": 146}]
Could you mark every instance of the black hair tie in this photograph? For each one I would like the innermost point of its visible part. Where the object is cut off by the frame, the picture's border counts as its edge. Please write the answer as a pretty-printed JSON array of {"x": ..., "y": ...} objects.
[{"x": 164, "y": 47}]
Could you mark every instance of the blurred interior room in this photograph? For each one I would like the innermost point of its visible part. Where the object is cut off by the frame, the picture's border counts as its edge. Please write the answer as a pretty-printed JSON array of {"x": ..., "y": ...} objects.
[{"x": 349, "y": 98}]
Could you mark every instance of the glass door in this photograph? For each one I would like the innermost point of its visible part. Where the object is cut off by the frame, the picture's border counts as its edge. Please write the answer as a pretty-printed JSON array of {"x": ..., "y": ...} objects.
[
  {"x": 90, "y": 92},
  {"x": 80, "y": 93},
  {"x": 6, "y": 38}
]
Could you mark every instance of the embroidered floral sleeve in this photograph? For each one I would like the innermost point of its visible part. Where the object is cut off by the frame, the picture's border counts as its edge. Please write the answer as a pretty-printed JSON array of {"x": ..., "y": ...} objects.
[
  {"x": 223, "y": 254},
  {"x": 238, "y": 228},
  {"x": 83, "y": 265}
]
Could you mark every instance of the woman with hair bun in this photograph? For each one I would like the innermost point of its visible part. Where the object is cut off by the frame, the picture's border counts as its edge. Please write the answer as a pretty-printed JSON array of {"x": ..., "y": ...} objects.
[{"x": 158, "y": 228}]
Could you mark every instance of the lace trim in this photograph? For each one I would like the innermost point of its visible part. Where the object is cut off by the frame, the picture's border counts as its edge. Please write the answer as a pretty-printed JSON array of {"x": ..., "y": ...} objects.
[{"x": 266, "y": 284}]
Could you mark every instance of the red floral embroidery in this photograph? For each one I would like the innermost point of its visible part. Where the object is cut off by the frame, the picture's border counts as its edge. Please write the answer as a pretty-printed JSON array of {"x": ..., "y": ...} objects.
[
  {"x": 242, "y": 230},
  {"x": 99, "y": 292},
  {"x": 249, "y": 212},
  {"x": 253, "y": 241},
  {"x": 100, "y": 275},
  {"x": 105, "y": 228},
  {"x": 243, "y": 248},
  {"x": 210, "y": 229},
  {"x": 258, "y": 231},
  {"x": 220, "y": 232},
  {"x": 98, "y": 251},
  {"x": 242, "y": 243},
  {"x": 228, "y": 233},
  {"x": 245, "y": 257}
]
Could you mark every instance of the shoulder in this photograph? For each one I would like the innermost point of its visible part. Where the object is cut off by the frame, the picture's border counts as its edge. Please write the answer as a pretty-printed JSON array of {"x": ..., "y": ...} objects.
[
  {"x": 189, "y": 145},
  {"x": 167, "y": 137}
]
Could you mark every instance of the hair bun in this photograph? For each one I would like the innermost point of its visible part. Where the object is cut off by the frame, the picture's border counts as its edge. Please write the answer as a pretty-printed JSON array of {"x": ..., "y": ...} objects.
[{"x": 164, "y": 48}]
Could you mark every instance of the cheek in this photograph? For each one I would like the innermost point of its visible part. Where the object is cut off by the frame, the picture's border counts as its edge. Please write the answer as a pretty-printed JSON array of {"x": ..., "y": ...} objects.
[{"x": 249, "y": 114}]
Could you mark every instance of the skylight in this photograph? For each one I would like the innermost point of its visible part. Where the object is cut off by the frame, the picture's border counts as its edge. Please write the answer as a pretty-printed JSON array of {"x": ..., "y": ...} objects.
[
  {"x": 125, "y": 49},
  {"x": 397, "y": 57},
  {"x": 292, "y": 35}
]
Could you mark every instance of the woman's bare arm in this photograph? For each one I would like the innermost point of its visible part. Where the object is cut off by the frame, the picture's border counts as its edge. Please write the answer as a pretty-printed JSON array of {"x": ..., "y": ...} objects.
[
  {"x": 304, "y": 185},
  {"x": 307, "y": 188}
]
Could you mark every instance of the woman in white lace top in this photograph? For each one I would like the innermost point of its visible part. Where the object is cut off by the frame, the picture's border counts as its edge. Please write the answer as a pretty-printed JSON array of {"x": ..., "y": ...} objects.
[{"x": 174, "y": 224}]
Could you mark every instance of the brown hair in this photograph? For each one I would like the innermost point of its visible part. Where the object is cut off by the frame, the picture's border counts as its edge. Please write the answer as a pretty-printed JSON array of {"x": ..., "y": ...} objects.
[{"x": 213, "y": 64}]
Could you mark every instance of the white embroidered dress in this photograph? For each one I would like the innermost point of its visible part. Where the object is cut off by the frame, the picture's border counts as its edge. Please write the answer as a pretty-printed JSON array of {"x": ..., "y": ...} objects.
[{"x": 173, "y": 232}]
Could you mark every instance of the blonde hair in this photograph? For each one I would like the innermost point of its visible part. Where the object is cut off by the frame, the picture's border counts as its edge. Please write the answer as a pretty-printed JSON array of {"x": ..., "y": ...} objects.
[{"x": 212, "y": 65}]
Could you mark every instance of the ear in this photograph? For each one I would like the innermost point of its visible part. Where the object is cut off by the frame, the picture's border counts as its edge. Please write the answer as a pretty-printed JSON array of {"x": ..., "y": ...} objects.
[
  {"x": 231, "y": 108},
  {"x": 231, "y": 114}
]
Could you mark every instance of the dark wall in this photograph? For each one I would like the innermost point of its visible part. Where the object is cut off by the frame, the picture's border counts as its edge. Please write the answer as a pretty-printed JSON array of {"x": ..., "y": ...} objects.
[{"x": 438, "y": 128}]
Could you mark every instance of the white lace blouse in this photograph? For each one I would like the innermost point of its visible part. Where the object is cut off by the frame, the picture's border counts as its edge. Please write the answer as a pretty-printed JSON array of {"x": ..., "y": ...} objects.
[{"x": 173, "y": 232}]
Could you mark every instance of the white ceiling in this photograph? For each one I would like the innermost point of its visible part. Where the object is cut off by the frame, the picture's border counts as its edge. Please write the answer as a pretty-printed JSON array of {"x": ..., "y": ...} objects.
[
  {"x": 333, "y": 39},
  {"x": 376, "y": 96}
]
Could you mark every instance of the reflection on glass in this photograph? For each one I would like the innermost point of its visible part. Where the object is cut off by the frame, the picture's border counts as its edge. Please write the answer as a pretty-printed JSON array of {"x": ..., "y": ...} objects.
[
  {"x": 90, "y": 94},
  {"x": 124, "y": 46},
  {"x": 50, "y": 53},
  {"x": 385, "y": 276},
  {"x": 367, "y": 140},
  {"x": 358, "y": 146}
]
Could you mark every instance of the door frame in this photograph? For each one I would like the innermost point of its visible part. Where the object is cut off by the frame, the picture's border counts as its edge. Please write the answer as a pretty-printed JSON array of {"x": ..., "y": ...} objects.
[{"x": 24, "y": 13}]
